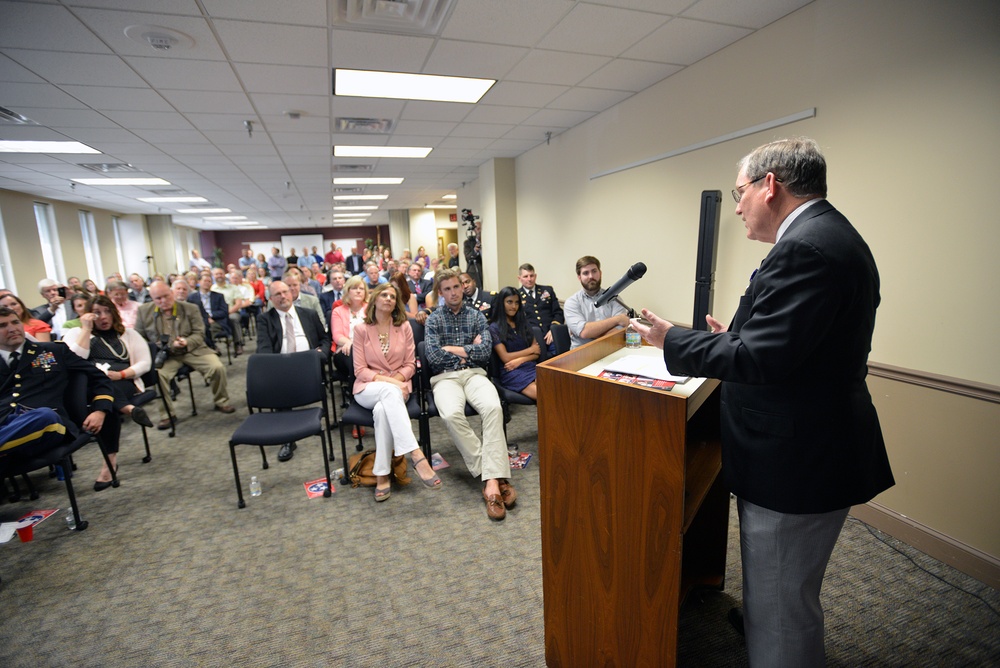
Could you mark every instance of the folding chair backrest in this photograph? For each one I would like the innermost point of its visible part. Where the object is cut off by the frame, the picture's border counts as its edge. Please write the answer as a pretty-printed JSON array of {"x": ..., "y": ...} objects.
[
  {"x": 418, "y": 331},
  {"x": 285, "y": 380},
  {"x": 151, "y": 377},
  {"x": 560, "y": 336}
]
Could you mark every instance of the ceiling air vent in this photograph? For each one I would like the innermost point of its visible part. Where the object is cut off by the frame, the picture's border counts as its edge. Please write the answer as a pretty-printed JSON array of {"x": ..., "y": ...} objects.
[
  {"x": 412, "y": 17},
  {"x": 354, "y": 169},
  {"x": 109, "y": 167},
  {"x": 369, "y": 126}
]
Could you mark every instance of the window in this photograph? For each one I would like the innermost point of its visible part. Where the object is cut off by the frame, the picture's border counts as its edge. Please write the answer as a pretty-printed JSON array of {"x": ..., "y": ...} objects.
[
  {"x": 91, "y": 249},
  {"x": 6, "y": 272},
  {"x": 49, "y": 237},
  {"x": 118, "y": 246}
]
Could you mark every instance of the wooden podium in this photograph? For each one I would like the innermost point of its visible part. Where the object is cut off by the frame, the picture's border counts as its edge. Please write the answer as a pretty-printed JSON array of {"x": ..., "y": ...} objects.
[{"x": 634, "y": 513}]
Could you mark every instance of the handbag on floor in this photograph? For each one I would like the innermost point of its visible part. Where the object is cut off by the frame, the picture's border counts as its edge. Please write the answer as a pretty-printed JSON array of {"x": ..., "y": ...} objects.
[{"x": 361, "y": 464}]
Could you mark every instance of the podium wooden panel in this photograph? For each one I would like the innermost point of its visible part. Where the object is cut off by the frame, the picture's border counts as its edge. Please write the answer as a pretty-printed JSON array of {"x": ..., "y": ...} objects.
[{"x": 633, "y": 511}]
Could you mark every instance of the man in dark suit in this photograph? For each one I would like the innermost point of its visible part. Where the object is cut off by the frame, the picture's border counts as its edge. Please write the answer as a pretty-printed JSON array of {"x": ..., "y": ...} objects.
[
  {"x": 541, "y": 305},
  {"x": 419, "y": 286},
  {"x": 57, "y": 309},
  {"x": 287, "y": 328},
  {"x": 213, "y": 304},
  {"x": 33, "y": 379},
  {"x": 354, "y": 263},
  {"x": 478, "y": 299},
  {"x": 335, "y": 293},
  {"x": 801, "y": 441}
]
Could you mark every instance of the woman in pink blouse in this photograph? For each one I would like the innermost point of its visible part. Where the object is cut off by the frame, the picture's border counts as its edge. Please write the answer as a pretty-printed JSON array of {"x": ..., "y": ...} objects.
[{"x": 384, "y": 363}]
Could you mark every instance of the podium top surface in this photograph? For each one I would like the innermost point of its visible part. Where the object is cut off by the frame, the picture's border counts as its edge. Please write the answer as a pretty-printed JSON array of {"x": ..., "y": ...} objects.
[{"x": 681, "y": 389}]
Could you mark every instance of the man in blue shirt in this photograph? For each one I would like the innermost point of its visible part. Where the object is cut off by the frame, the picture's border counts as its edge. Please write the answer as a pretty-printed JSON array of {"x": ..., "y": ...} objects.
[
  {"x": 458, "y": 346},
  {"x": 276, "y": 264}
]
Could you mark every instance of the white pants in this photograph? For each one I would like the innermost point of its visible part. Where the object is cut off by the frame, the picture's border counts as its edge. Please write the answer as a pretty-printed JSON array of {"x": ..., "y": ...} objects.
[
  {"x": 451, "y": 390},
  {"x": 784, "y": 560},
  {"x": 393, "y": 432}
]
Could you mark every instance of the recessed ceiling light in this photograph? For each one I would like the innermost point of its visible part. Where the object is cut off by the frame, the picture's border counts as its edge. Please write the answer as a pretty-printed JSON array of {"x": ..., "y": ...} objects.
[
  {"x": 351, "y": 215},
  {"x": 403, "y": 86},
  {"x": 381, "y": 151},
  {"x": 450, "y": 197},
  {"x": 355, "y": 208},
  {"x": 204, "y": 210},
  {"x": 359, "y": 197},
  {"x": 440, "y": 206},
  {"x": 349, "y": 222},
  {"x": 123, "y": 181},
  {"x": 248, "y": 223},
  {"x": 366, "y": 181},
  {"x": 225, "y": 218},
  {"x": 12, "y": 146},
  {"x": 188, "y": 200}
]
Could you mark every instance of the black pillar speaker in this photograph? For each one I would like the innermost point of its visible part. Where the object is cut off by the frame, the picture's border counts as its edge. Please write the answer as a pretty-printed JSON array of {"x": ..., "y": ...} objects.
[{"x": 708, "y": 243}]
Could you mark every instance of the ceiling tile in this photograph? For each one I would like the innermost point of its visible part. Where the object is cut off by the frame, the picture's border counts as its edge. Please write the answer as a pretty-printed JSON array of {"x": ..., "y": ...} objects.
[
  {"x": 150, "y": 120},
  {"x": 589, "y": 99},
  {"x": 375, "y": 51},
  {"x": 106, "y": 98},
  {"x": 600, "y": 30},
  {"x": 273, "y": 43},
  {"x": 517, "y": 94},
  {"x": 556, "y": 67},
  {"x": 186, "y": 74},
  {"x": 51, "y": 27},
  {"x": 82, "y": 68},
  {"x": 110, "y": 26},
  {"x": 512, "y": 22},
  {"x": 67, "y": 118},
  {"x": 299, "y": 12},
  {"x": 208, "y": 102},
  {"x": 26, "y": 95},
  {"x": 285, "y": 79},
  {"x": 488, "y": 113},
  {"x": 630, "y": 75},
  {"x": 481, "y": 130},
  {"x": 684, "y": 41},
  {"x": 424, "y": 127},
  {"x": 473, "y": 59},
  {"x": 420, "y": 110},
  {"x": 11, "y": 71},
  {"x": 747, "y": 14},
  {"x": 556, "y": 118},
  {"x": 672, "y": 7}
]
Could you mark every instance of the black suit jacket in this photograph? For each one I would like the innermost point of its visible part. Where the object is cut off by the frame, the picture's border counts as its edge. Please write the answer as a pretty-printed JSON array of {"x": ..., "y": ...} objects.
[
  {"x": 799, "y": 431},
  {"x": 41, "y": 377},
  {"x": 327, "y": 300},
  {"x": 45, "y": 315},
  {"x": 425, "y": 287},
  {"x": 544, "y": 309},
  {"x": 271, "y": 334},
  {"x": 354, "y": 264},
  {"x": 219, "y": 311}
]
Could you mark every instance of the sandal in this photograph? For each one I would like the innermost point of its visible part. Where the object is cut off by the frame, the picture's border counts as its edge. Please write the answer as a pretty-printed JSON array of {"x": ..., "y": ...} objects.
[
  {"x": 433, "y": 482},
  {"x": 383, "y": 494}
]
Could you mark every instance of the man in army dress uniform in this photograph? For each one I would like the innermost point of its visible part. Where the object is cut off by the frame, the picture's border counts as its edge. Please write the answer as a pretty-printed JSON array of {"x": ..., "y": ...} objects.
[{"x": 540, "y": 303}]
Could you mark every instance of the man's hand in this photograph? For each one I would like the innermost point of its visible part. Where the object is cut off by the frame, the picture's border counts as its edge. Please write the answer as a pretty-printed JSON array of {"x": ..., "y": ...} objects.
[
  {"x": 655, "y": 333},
  {"x": 456, "y": 350},
  {"x": 179, "y": 342},
  {"x": 548, "y": 338},
  {"x": 716, "y": 326},
  {"x": 94, "y": 422}
]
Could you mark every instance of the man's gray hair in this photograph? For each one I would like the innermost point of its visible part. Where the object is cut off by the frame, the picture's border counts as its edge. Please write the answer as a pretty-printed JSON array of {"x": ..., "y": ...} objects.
[
  {"x": 797, "y": 163},
  {"x": 46, "y": 283}
]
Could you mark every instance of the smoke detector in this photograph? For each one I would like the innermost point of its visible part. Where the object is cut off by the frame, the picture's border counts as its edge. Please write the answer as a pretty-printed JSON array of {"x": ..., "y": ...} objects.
[{"x": 159, "y": 38}]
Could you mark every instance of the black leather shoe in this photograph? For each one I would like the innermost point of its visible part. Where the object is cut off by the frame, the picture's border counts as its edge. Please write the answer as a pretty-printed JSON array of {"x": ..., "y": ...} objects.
[
  {"x": 140, "y": 417},
  {"x": 287, "y": 452},
  {"x": 735, "y": 617}
]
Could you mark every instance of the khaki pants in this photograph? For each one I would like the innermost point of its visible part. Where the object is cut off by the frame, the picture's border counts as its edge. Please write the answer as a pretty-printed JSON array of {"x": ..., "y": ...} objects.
[
  {"x": 451, "y": 390},
  {"x": 209, "y": 366}
]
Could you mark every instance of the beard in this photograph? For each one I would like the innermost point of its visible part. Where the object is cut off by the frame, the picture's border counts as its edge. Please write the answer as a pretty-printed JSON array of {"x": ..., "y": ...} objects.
[{"x": 592, "y": 286}]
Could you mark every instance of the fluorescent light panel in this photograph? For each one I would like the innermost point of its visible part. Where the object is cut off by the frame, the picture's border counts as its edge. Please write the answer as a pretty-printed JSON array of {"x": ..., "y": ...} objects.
[
  {"x": 450, "y": 197},
  {"x": 441, "y": 206},
  {"x": 248, "y": 223},
  {"x": 123, "y": 181},
  {"x": 12, "y": 146},
  {"x": 351, "y": 215},
  {"x": 187, "y": 200},
  {"x": 367, "y": 181},
  {"x": 204, "y": 210},
  {"x": 358, "y": 198},
  {"x": 403, "y": 86},
  {"x": 225, "y": 218},
  {"x": 355, "y": 208},
  {"x": 381, "y": 151}
]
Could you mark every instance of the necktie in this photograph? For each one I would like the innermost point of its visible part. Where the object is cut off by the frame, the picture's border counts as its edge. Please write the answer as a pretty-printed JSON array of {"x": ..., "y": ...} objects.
[
  {"x": 336, "y": 296},
  {"x": 289, "y": 334},
  {"x": 12, "y": 361}
]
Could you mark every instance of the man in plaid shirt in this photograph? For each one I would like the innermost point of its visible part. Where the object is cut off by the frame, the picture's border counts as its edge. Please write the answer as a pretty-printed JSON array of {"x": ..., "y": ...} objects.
[{"x": 458, "y": 346}]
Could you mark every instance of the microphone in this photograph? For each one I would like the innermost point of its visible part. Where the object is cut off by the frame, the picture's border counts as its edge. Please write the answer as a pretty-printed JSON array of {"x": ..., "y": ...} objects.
[{"x": 634, "y": 273}]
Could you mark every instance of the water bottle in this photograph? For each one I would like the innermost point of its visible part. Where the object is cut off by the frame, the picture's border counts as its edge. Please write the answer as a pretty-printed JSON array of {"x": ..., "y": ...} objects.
[
  {"x": 70, "y": 520},
  {"x": 632, "y": 338},
  {"x": 255, "y": 489}
]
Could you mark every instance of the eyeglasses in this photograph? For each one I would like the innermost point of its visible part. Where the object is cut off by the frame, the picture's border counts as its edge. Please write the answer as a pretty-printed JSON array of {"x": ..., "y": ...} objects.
[{"x": 738, "y": 190}]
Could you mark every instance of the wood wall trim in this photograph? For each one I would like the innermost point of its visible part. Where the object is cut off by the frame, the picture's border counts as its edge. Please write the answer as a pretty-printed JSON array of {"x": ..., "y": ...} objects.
[
  {"x": 974, "y": 563},
  {"x": 965, "y": 388}
]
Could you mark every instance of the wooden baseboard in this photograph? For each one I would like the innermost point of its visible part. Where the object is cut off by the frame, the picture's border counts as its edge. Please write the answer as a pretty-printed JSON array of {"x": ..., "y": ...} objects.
[{"x": 958, "y": 555}]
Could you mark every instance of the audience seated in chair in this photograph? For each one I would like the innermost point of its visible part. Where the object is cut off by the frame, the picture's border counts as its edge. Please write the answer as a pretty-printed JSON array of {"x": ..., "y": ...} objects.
[
  {"x": 541, "y": 306},
  {"x": 55, "y": 311},
  {"x": 384, "y": 364},
  {"x": 287, "y": 328},
  {"x": 514, "y": 344},
  {"x": 585, "y": 321},
  {"x": 127, "y": 309},
  {"x": 458, "y": 346},
  {"x": 124, "y": 357},
  {"x": 178, "y": 328},
  {"x": 33, "y": 327},
  {"x": 236, "y": 299}
]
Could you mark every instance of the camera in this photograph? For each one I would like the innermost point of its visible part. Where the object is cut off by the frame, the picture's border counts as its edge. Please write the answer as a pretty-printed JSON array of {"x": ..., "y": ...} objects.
[
  {"x": 163, "y": 353},
  {"x": 470, "y": 221},
  {"x": 61, "y": 292}
]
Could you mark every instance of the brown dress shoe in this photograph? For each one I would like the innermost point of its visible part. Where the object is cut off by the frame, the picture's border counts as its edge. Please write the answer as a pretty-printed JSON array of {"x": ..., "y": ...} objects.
[
  {"x": 164, "y": 424},
  {"x": 508, "y": 493},
  {"x": 225, "y": 409},
  {"x": 494, "y": 506}
]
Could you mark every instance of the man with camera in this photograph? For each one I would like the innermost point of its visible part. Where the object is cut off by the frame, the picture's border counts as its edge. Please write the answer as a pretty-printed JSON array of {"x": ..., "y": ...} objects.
[
  {"x": 179, "y": 331},
  {"x": 56, "y": 310}
]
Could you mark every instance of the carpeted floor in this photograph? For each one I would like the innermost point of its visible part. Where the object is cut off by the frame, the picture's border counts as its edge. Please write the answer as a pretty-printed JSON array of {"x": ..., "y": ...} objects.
[{"x": 171, "y": 573}]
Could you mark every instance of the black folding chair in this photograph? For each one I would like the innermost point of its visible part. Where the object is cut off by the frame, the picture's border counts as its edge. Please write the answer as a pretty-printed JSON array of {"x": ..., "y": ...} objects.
[
  {"x": 285, "y": 385},
  {"x": 151, "y": 380},
  {"x": 427, "y": 404},
  {"x": 508, "y": 397},
  {"x": 560, "y": 337}
]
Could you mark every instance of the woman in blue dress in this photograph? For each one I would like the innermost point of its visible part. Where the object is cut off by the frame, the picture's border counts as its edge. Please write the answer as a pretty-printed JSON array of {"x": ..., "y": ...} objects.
[{"x": 513, "y": 343}]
